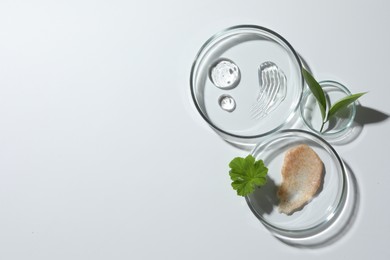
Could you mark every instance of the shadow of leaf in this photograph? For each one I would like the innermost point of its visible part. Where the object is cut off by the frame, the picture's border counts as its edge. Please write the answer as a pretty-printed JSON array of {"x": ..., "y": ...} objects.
[
  {"x": 367, "y": 115},
  {"x": 264, "y": 199}
]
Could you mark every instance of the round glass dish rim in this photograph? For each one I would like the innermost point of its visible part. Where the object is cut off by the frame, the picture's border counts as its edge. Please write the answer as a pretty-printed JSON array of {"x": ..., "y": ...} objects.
[
  {"x": 344, "y": 89},
  {"x": 217, "y": 35},
  {"x": 324, "y": 143}
]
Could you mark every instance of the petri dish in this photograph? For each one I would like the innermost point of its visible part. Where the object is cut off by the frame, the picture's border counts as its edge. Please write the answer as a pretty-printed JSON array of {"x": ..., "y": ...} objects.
[
  {"x": 259, "y": 72},
  {"x": 339, "y": 125},
  {"x": 321, "y": 211}
]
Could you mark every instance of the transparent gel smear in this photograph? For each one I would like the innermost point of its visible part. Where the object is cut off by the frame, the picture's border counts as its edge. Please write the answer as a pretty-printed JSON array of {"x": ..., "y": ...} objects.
[{"x": 273, "y": 82}]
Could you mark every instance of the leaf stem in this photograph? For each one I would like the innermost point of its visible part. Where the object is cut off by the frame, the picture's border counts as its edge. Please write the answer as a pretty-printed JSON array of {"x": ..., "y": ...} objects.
[{"x": 322, "y": 126}]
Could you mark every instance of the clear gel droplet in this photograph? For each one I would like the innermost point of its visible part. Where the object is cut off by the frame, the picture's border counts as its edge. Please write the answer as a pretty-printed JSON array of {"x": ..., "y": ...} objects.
[
  {"x": 227, "y": 103},
  {"x": 225, "y": 74}
]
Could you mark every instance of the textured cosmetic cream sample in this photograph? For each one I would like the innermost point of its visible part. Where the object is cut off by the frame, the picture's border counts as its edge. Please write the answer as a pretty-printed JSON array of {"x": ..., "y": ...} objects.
[{"x": 302, "y": 173}]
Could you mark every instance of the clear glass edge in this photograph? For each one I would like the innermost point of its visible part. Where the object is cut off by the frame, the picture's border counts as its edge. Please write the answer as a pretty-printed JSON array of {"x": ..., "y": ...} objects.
[
  {"x": 322, "y": 226},
  {"x": 336, "y": 133},
  {"x": 209, "y": 42}
]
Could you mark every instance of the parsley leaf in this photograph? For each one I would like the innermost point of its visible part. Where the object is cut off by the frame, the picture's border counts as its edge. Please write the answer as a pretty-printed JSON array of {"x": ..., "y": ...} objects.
[{"x": 247, "y": 173}]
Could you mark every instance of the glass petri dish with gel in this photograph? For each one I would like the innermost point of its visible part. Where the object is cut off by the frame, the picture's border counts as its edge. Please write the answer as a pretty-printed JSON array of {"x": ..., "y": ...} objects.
[{"x": 246, "y": 83}]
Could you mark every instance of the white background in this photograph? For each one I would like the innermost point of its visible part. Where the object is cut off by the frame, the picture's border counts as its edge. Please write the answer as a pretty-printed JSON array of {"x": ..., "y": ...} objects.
[{"x": 103, "y": 154}]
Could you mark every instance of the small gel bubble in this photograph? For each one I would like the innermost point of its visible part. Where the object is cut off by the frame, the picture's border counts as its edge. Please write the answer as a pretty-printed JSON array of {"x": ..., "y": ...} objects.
[{"x": 227, "y": 103}]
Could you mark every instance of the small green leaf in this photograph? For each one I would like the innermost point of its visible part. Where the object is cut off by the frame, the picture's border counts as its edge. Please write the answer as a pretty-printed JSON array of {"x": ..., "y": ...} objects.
[
  {"x": 343, "y": 103},
  {"x": 247, "y": 173},
  {"x": 317, "y": 91},
  {"x": 237, "y": 164}
]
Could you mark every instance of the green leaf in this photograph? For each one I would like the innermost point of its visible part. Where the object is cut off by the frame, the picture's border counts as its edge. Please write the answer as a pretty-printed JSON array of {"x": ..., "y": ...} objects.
[
  {"x": 247, "y": 173},
  {"x": 343, "y": 103},
  {"x": 317, "y": 91}
]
